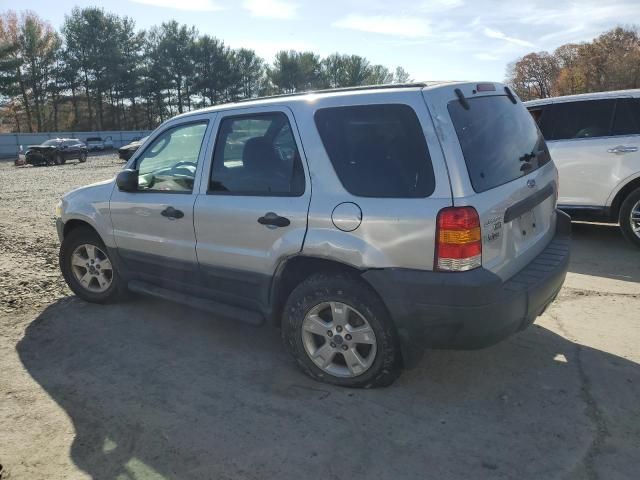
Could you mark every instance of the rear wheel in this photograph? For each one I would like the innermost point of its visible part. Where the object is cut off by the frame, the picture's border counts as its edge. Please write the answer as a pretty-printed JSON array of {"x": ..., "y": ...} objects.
[
  {"x": 339, "y": 332},
  {"x": 87, "y": 268},
  {"x": 58, "y": 160},
  {"x": 630, "y": 217},
  {"x": 83, "y": 157}
]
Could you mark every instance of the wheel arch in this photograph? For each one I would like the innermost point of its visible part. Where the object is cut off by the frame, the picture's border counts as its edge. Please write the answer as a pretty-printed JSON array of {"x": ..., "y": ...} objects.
[
  {"x": 622, "y": 193},
  {"x": 76, "y": 223},
  {"x": 294, "y": 270}
]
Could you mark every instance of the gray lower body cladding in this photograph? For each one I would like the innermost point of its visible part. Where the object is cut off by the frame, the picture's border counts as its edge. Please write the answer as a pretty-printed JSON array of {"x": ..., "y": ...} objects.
[{"x": 475, "y": 309}]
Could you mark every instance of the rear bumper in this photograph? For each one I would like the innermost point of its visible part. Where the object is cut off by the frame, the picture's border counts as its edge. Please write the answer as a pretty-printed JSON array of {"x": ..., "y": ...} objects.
[{"x": 472, "y": 309}]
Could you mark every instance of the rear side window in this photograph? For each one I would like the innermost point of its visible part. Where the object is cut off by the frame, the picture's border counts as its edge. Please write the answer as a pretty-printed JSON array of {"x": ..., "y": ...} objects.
[
  {"x": 500, "y": 141},
  {"x": 377, "y": 150},
  {"x": 585, "y": 119},
  {"x": 627, "y": 120}
]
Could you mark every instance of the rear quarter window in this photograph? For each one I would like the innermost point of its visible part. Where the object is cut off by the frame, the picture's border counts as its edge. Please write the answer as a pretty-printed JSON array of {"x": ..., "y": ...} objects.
[
  {"x": 377, "y": 150},
  {"x": 500, "y": 140}
]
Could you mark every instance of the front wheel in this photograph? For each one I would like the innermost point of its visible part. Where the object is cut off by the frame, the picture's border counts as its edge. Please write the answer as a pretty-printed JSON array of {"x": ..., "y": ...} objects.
[
  {"x": 630, "y": 217},
  {"x": 87, "y": 268},
  {"x": 338, "y": 331}
]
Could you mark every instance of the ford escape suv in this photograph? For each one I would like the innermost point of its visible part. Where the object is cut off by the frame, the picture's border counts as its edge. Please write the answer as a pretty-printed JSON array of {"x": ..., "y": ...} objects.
[
  {"x": 594, "y": 140},
  {"x": 368, "y": 224}
]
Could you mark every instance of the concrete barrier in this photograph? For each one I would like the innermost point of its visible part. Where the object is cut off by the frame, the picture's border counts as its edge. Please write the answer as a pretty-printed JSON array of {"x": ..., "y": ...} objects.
[{"x": 10, "y": 142}]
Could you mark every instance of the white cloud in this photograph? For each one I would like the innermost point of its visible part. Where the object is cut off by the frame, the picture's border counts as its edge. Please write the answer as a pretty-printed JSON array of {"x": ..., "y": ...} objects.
[
  {"x": 400, "y": 26},
  {"x": 487, "y": 57},
  {"x": 493, "y": 33},
  {"x": 435, "y": 5},
  {"x": 192, "y": 5},
  {"x": 271, "y": 8}
]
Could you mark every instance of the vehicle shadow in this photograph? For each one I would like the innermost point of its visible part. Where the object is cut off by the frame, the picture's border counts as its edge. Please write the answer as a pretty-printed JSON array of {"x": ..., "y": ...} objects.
[
  {"x": 601, "y": 250},
  {"x": 156, "y": 390}
]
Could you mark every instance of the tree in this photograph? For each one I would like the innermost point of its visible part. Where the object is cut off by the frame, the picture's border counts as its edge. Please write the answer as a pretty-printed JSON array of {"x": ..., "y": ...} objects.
[
  {"x": 401, "y": 76},
  {"x": 101, "y": 72},
  {"x": 534, "y": 75},
  {"x": 610, "y": 62},
  {"x": 30, "y": 47},
  {"x": 250, "y": 70},
  {"x": 379, "y": 75},
  {"x": 295, "y": 71}
]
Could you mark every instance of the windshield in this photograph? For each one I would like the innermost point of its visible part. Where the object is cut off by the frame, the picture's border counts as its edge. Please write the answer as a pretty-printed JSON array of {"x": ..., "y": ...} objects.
[
  {"x": 500, "y": 141},
  {"x": 49, "y": 143}
]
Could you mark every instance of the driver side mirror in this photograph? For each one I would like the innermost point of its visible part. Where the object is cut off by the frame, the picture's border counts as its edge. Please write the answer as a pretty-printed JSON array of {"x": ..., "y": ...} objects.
[{"x": 127, "y": 180}]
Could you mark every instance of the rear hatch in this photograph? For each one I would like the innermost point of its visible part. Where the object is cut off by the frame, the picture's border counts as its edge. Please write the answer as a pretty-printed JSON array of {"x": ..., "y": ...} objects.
[{"x": 499, "y": 164}]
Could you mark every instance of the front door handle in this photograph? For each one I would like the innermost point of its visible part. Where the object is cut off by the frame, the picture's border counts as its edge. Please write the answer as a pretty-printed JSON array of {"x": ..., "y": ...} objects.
[
  {"x": 623, "y": 149},
  {"x": 171, "y": 212},
  {"x": 273, "y": 219}
]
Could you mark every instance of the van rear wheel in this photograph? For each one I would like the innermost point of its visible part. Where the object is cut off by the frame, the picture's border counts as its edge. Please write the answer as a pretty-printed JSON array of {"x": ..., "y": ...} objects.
[
  {"x": 630, "y": 217},
  {"x": 338, "y": 331}
]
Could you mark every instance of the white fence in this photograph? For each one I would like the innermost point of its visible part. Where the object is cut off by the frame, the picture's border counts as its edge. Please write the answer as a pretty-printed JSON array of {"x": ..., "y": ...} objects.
[{"x": 10, "y": 142}]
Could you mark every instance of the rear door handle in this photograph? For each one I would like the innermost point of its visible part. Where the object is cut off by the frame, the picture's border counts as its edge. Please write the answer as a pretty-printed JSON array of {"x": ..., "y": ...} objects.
[
  {"x": 171, "y": 212},
  {"x": 623, "y": 149},
  {"x": 273, "y": 219}
]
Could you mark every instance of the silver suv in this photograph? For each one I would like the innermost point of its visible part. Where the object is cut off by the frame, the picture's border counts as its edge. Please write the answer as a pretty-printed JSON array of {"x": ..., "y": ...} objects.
[{"x": 368, "y": 224}]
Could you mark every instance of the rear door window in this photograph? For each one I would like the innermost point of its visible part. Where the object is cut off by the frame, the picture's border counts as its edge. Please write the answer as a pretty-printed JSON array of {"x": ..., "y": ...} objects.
[
  {"x": 500, "y": 141},
  {"x": 377, "y": 150},
  {"x": 627, "y": 118},
  {"x": 257, "y": 155},
  {"x": 585, "y": 119}
]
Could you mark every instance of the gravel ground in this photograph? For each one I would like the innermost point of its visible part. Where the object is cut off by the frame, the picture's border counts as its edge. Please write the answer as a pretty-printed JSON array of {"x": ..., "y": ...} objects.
[{"x": 148, "y": 389}]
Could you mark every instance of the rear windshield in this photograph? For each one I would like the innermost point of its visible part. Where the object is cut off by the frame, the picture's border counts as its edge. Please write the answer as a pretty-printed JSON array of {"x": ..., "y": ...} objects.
[
  {"x": 377, "y": 150},
  {"x": 500, "y": 141}
]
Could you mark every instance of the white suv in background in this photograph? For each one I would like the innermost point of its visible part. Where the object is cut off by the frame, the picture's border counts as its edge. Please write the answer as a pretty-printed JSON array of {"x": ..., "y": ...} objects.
[{"x": 594, "y": 140}]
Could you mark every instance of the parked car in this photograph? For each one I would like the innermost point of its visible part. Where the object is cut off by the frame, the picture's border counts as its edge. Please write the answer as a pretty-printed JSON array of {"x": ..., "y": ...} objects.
[
  {"x": 99, "y": 143},
  {"x": 56, "y": 152},
  {"x": 125, "y": 152},
  {"x": 594, "y": 139},
  {"x": 431, "y": 223}
]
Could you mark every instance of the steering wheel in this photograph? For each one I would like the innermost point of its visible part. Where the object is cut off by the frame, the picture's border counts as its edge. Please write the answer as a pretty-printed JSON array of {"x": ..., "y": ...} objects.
[{"x": 180, "y": 168}]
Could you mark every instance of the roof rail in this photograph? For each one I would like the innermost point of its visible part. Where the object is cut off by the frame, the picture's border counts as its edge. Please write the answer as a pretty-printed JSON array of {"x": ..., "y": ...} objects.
[{"x": 341, "y": 89}]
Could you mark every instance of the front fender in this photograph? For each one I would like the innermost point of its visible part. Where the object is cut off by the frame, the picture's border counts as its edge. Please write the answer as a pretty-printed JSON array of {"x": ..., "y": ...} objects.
[{"x": 90, "y": 204}]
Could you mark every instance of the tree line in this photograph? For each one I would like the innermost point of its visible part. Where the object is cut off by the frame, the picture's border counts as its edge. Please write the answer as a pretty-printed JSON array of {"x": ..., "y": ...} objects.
[
  {"x": 99, "y": 72},
  {"x": 609, "y": 62}
]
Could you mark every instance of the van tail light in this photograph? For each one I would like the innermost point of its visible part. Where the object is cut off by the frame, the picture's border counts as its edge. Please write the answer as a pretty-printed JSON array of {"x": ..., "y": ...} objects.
[{"x": 458, "y": 239}]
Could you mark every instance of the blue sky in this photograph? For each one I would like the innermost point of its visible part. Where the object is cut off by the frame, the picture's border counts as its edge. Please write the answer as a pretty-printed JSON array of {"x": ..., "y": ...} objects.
[{"x": 433, "y": 40}]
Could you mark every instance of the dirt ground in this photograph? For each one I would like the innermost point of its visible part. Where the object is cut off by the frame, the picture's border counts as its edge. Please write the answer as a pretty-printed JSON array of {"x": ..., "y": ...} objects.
[{"x": 148, "y": 389}]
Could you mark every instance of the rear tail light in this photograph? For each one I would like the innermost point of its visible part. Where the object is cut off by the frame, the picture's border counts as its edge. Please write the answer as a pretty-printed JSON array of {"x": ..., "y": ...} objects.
[{"x": 458, "y": 239}]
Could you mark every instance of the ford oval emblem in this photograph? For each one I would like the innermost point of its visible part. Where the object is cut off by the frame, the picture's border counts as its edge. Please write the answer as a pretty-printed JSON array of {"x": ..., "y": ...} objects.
[{"x": 531, "y": 183}]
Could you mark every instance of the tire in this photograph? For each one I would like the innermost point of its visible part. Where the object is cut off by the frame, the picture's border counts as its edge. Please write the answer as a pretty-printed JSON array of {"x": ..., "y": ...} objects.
[
  {"x": 72, "y": 250},
  {"x": 631, "y": 204},
  {"x": 49, "y": 162},
  {"x": 83, "y": 157},
  {"x": 58, "y": 160},
  {"x": 363, "y": 304}
]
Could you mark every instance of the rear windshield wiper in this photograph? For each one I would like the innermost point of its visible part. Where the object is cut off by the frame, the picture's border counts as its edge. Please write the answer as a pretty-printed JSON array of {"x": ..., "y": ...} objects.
[{"x": 462, "y": 99}]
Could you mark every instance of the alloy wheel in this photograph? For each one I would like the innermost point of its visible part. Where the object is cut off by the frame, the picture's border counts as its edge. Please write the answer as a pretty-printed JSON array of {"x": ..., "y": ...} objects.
[
  {"x": 634, "y": 219},
  {"x": 92, "y": 268},
  {"x": 338, "y": 339}
]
